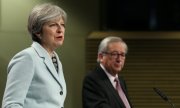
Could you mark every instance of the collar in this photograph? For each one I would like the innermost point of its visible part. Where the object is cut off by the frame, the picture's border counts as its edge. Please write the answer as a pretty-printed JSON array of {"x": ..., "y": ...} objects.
[{"x": 111, "y": 78}]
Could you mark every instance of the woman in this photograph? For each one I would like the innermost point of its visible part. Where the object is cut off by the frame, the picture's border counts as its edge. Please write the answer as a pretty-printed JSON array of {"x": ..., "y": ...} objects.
[{"x": 35, "y": 76}]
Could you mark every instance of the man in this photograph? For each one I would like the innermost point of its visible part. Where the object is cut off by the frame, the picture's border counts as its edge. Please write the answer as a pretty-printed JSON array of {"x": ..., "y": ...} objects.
[{"x": 103, "y": 88}]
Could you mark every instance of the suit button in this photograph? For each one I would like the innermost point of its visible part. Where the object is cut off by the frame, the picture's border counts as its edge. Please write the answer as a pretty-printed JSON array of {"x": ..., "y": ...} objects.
[{"x": 61, "y": 92}]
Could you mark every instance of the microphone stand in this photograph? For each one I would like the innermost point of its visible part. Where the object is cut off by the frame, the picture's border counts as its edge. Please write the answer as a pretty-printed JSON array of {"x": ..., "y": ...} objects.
[
  {"x": 172, "y": 105},
  {"x": 164, "y": 97}
]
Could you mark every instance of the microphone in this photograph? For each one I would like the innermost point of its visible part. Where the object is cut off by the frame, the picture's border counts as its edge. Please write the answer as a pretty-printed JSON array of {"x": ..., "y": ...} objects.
[{"x": 163, "y": 96}]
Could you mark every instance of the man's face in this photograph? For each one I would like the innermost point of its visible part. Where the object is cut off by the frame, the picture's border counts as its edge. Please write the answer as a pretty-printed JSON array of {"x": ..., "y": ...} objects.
[{"x": 113, "y": 60}]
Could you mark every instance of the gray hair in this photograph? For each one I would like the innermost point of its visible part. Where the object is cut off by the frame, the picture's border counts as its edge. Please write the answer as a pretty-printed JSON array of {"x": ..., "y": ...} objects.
[
  {"x": 103, "y": 46},
  {"x": 41, "y": 14}
]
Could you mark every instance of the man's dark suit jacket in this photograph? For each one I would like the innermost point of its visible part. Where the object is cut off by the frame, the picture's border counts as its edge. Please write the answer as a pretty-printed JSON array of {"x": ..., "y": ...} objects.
[{"x": 98, "y": 92}]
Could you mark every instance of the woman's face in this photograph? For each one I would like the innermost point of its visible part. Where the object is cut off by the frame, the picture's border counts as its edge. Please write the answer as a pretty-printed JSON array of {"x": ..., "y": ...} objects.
[{"x": 52, "y": 34}]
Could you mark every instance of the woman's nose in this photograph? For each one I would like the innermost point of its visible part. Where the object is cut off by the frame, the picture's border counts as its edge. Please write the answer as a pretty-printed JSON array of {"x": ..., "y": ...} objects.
[{"x": 59, "y": 29}]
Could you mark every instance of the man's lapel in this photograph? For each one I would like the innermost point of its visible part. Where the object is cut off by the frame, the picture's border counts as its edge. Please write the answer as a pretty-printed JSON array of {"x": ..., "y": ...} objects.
[
  {"x": 114, "y": 92},
  {"x": 109, "y": 86}
]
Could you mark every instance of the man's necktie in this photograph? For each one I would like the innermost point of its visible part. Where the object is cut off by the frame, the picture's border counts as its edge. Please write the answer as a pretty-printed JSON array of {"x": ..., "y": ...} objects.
[{"x": 121, "y": 93}]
